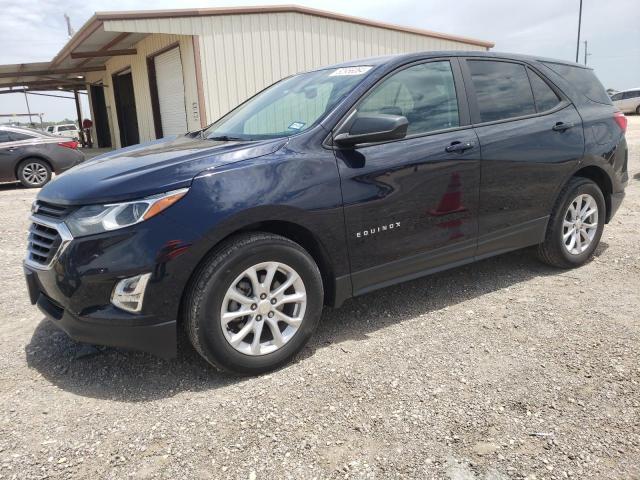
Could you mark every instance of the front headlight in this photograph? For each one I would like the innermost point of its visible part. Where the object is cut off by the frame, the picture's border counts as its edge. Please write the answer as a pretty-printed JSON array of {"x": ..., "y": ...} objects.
[{"x": 101, "y": 218}]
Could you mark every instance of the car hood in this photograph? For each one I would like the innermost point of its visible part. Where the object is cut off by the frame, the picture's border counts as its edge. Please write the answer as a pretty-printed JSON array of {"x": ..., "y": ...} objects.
[{"x": 145, "y": 169}]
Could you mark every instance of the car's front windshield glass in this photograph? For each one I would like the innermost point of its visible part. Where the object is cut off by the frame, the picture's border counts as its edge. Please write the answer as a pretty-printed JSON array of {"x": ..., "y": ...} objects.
[{"x": 289, "y": 106}]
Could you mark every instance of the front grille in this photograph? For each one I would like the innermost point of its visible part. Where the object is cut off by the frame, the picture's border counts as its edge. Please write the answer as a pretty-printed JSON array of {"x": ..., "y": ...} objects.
[
  {"x": 51, "y": 210},
  {"x": 44, "y": 242}
]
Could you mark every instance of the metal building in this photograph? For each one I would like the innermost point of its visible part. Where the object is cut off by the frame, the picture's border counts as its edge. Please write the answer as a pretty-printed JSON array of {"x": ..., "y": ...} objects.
[{"x": 155, "y": 73}]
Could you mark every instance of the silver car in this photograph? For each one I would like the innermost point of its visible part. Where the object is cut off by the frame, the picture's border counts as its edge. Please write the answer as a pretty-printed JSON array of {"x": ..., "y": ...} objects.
[
  {"x": 31, "y": 157},
  {"x": 627, "y": 101}
]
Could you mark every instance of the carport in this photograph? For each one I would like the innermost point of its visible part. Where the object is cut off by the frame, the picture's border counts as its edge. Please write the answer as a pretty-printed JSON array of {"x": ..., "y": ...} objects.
[{"x": 39, "y": 77}]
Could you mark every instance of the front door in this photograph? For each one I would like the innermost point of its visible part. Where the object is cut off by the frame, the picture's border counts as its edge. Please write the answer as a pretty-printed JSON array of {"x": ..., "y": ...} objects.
[
  {"x": 411, "y": 205},
  {"x": 531, "y": 139}
]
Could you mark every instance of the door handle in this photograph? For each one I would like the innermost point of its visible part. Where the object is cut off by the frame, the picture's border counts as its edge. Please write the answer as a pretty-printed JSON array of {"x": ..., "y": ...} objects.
[
  {"x": 459, "y": 147},
  {"x": 562, "y": 126}
]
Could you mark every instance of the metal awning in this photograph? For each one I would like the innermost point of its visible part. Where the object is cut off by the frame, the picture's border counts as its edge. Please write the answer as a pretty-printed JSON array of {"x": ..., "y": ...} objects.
[{"x": 86, "y": 52}]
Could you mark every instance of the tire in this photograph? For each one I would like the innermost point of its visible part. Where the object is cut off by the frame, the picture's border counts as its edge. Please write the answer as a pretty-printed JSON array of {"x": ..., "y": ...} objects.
[
  {"x": 555, "y": 251},
  {"x": 34, "y": 173},
  {"x": 208, "y": 298}
]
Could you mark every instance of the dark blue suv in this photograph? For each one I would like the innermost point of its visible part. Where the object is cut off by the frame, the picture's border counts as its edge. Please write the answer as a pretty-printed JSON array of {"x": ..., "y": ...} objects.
[{"x": 326, "y": 185}]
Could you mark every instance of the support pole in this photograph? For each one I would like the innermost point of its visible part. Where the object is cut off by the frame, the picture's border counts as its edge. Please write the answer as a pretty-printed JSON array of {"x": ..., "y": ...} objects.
[
  {"x": 79, "y": 113},
  {"x": 28, "y": 109}
]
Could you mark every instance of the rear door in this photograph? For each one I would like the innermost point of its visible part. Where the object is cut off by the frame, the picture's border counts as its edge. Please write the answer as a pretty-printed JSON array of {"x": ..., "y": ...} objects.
[
  {"x": 531, "y": 138},
  {"x": 411, "y": 205}
]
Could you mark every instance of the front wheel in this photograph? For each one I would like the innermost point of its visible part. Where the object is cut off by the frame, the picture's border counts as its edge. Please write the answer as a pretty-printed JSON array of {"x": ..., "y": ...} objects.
[
  {"x": 575, "y": 226},
  {"x": 254, "y": 303}
]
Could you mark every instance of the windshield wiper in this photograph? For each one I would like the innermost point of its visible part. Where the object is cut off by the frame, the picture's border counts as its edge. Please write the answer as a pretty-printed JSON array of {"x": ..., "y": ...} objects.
[{"x": 226, "y": 138}]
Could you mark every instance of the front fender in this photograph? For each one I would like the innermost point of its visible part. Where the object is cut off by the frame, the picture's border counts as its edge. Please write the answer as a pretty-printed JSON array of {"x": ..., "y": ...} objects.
[{"x": 278, "y": 188}]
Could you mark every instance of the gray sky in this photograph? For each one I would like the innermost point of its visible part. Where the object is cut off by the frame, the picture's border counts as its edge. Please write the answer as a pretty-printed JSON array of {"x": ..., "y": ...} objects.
[{"x": 34, "y": 30}]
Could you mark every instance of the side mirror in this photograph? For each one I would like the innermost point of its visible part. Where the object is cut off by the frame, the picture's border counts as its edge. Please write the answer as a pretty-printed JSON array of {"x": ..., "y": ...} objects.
[{"x": 370, "y": 128}]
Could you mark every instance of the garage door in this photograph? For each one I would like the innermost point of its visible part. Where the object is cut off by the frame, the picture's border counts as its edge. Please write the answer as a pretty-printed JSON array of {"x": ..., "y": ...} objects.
[{"x": 170, "y": 83}]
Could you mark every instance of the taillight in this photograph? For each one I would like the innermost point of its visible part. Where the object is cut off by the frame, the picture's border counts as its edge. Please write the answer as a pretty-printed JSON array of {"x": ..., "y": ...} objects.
[
  {"x": 621, "y": 120},
  {"x": 72, "y": 144}
]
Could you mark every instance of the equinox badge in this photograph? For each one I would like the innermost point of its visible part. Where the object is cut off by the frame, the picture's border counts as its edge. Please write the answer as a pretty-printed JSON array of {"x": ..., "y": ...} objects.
[{"x": 374, "y": 230}]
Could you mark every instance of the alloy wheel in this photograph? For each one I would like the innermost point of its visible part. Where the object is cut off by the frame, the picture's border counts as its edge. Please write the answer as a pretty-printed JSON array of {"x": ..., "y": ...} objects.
[
  {"x": 263, "y": 308},
  {"x": 35, "y": 173},
  {"x": 580, "y": 224}
]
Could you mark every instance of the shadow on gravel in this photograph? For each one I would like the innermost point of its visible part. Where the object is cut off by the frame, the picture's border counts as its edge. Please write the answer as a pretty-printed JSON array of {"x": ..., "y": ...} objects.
[
  {"x": 11, "y": 186},
  {"x": 125, "y": 376}
]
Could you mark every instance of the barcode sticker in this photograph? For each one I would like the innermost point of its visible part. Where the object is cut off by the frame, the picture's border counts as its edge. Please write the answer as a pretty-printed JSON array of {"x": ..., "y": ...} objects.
[{"x": 350, "y": 71}]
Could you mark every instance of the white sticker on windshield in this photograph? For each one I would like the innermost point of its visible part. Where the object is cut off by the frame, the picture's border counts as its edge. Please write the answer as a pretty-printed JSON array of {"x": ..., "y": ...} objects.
[
  {"x": 350, "y": 71},
  {"x": 296, "y": 126}
]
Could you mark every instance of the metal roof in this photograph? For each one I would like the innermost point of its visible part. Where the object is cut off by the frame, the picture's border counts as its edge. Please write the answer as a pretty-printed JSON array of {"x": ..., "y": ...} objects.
[{"x": 82, "y": 53}]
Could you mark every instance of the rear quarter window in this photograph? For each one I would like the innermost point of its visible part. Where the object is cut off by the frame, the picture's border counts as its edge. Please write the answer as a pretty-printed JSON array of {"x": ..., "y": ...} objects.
[{"x": 583, "y": 79}]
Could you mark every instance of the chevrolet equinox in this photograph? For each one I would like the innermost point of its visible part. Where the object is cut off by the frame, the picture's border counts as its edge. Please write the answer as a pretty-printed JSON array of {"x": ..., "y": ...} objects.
[{"x": 326, "y": 185}]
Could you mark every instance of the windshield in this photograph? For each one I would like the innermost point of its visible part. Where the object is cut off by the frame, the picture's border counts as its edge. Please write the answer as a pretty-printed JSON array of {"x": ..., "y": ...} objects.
[{"x": 289, "y": 106}]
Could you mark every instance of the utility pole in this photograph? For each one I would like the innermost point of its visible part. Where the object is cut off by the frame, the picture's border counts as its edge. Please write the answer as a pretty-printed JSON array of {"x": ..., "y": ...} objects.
[
  {"x": 585, "y": 52},
  {"x": 70, "y": 30},
  {"x": 579, "y": 23}
]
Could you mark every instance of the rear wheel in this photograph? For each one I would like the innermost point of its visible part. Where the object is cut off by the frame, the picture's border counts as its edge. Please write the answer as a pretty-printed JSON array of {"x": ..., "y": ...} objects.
[
  {"x": 575, "y": 226},
  {"x": 34, "y": 173},
  {"x": 254, "y": 303}
]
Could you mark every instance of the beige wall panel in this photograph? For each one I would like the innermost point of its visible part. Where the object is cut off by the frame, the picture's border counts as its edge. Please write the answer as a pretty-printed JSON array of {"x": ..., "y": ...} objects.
[
  {"x": 244, "y": 53},
  {"x": 138, "y": 64}
]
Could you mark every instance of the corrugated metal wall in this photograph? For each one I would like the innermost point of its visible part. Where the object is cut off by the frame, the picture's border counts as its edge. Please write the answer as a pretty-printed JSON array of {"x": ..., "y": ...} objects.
[
  {"x": 138, "y": 63},
  {"x": 242, "y": 54}
]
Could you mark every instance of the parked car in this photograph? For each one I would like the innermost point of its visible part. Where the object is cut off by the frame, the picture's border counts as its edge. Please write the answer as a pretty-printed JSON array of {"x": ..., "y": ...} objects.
[
  {"x": 627, "y": 101},
  {"x": 327, "y": 185},
  {"x": 66, "y": 130},
  {"x": 31, "y": 156}
]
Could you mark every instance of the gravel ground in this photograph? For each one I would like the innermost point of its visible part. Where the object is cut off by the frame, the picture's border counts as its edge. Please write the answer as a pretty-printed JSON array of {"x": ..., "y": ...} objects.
[{"x": 505, "y": 369}]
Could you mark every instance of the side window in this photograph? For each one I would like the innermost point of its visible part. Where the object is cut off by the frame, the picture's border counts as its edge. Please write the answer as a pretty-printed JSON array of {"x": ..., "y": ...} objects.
[
  {"x": 633, "y": 94},
  {"x": 4, "y": 137},
  {"x": 617, "y": 96},
  {"x": 16, "y": 137},
  {"x": 502, "y": 89},
  {"x": 425, "y": 94},
  {"x": 583, "y": 79},
  {"x": 545, "y": 98}
]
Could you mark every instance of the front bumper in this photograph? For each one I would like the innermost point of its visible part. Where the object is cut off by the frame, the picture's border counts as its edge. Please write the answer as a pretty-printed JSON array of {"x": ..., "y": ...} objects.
[
  {"x": 74, "y": 288},
  {"x": 109, "y": 326}
]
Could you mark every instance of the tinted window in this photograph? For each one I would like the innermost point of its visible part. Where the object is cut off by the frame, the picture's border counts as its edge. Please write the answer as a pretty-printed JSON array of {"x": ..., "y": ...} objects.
[
  {"x": 4, "y": 137},
  {"x": 617, "y": 96},
  {"x": 582, "y": 79},
  {"x": 66, "y": 128},
  {"x": 425, "y": 94},
  {"x": 16, "y": 137},
  {"x": 502, "y": 90},
  {"x": 544, "y": 96},
  {"x": 633, "y": 94}
]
